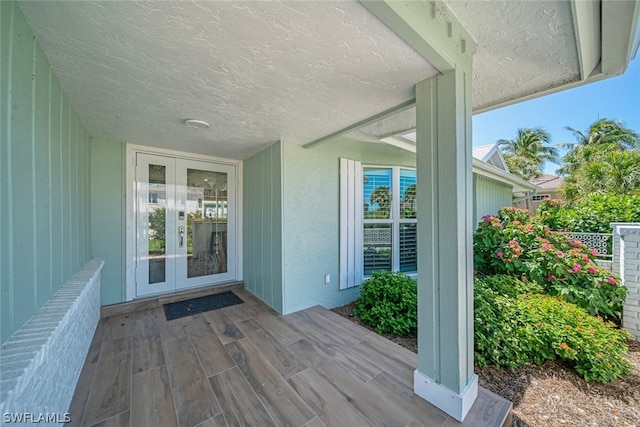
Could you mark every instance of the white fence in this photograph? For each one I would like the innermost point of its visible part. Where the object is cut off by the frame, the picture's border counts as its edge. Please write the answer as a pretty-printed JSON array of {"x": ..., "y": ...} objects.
[{"x": 601, "y": 242}]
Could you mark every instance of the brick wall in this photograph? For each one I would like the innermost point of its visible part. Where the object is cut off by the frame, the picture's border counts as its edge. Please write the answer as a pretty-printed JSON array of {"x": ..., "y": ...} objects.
[
  {"x": 41, "y": 362},
  {"x": 626, "y": 262}
]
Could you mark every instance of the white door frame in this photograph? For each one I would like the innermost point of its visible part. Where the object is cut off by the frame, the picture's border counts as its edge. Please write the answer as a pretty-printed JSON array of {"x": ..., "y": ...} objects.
[{"x": 130, "y": 199}]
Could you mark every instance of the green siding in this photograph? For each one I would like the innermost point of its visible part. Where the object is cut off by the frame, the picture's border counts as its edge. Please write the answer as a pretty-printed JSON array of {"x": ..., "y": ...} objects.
[
  {"x": 108, "y": 216},
  {"x": 44, "y": 179},
  {"x": 489, "y": 197},
  {"x": 262, "y": 226},
  {"x": 311, "y": 217}
]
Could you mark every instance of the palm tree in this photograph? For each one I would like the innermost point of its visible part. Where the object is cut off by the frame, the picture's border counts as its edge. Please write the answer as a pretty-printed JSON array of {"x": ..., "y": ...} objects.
[
  {"x": 606, "y": 132},
  {"x": 603, "y": 136},
  {"x": 604, "y": 159},
  {"x": 526, "y": 154},
  {"x": 381, "y": 196},
  {"x": 408, "y": 202}
]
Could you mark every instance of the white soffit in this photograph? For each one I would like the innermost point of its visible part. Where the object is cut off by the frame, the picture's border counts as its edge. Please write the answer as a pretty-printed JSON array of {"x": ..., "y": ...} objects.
[
  {"x": 523, "y": 47},
  {"x": 257, "y": 72}
]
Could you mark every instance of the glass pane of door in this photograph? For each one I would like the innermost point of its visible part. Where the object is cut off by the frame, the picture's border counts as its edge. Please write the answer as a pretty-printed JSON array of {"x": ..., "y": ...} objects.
[
  {"x": 207, "y": 222},
  {"x": 155, "y": 224},
  {"x": 157, "y": 217}
]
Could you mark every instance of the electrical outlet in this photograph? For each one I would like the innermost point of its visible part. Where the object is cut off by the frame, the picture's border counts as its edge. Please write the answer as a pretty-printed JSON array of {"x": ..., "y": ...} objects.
[{"x": 327, "y": 278}]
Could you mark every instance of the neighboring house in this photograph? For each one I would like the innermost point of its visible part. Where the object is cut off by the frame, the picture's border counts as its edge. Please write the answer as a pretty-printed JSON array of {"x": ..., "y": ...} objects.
[
  {"x": 298, "y": 95},
  {"x": 549, "y": 189},
  {"x": 494, "y": 185}
]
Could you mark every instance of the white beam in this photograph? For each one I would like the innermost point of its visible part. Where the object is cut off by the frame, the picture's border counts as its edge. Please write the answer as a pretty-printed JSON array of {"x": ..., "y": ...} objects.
[
  {"x": 429, "y": 28},
  {"x": 586, "y": 26},
  {"x": 370, "y": 120},
  {"x": 398, "y": 142}
]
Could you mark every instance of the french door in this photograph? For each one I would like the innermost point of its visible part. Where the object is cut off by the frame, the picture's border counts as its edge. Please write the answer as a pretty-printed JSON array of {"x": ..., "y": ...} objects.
[{"x": 185, "y": 223}]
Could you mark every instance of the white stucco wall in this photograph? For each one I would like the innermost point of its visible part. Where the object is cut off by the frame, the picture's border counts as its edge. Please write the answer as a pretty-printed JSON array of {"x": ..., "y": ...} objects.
[{"x": 311, "y": 217}]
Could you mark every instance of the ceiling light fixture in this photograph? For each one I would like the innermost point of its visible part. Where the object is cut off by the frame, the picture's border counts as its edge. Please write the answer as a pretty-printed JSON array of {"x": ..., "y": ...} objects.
[{"x": 196, "y": 124}]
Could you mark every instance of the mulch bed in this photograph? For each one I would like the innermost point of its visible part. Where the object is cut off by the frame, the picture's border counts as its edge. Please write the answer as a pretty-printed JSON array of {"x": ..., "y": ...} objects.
[{"x": 554, "y": 394}]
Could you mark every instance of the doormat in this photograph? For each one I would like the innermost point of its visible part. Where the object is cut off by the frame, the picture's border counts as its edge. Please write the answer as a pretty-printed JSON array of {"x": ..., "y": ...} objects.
[{"x": 176, "y": 310}]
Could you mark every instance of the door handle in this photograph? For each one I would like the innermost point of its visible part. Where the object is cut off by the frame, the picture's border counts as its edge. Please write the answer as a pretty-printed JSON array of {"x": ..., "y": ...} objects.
[{"x": 181, "y": 233}]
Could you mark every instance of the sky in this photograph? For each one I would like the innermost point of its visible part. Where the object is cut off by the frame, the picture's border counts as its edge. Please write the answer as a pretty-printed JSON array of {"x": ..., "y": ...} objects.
[{"x": 616, "y": 98}]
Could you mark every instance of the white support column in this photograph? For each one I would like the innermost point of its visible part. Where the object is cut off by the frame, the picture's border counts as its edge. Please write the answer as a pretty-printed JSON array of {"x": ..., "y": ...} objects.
[{"x": 445, "y": 253}]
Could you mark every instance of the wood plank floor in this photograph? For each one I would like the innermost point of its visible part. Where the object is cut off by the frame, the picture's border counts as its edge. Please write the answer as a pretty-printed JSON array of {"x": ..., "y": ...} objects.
[{"x": 246, "y": 365}]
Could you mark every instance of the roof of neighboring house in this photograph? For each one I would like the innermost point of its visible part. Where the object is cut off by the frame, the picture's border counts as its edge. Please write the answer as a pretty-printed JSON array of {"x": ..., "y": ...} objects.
[
  {"x": 490, "y": 154},
  {"x": 548, "y": 182},
  {"x": 483, "y": 152}
]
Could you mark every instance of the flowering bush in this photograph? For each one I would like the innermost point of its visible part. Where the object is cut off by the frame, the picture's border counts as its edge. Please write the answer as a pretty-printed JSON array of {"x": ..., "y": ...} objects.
[
  {"x": 514, "y": 326},
  {"x": 511, "y": 214},
  {"x": 563, "y": 267}
]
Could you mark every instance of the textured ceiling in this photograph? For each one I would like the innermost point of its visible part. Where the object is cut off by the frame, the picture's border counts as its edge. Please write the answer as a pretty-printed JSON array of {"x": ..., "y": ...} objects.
[
  {"x": 256, "y": 71},
  {"x": 263, "y": 71}
]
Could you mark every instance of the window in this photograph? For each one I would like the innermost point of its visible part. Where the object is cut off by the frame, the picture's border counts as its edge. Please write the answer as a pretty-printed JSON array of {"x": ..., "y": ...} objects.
[
  {"x": 389, "y": 219},
  {"x": 378, "y": 221},
  {"x": 540, "y": 197}
]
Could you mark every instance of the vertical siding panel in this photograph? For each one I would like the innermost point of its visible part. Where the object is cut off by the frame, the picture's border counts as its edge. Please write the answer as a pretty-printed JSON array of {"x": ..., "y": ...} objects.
[
  {"x": 270, "y": 243},
  {"x": 42, "y": 196},
  {"x": 263, "y": 225},
  {"x": 79, "y": 172},
  {"x": 50, "y": 165},
  {"x": 489, "y": 197},
  {"x": 108, "y": 216},
  {"x": 250, "y": 245},
  {"x": 6, "y": 257},
  {"x": 79, "y": 191},
  {"x": 86, "y": 195},
  {"x": 260, "y": 282},
  {"x": 255, "y": 218},
  {"x": 66, "y": 185},
  {"x": 43, "y": 170},
  {"x": 267, "y": 223},
  {"x": 276, "y": 241},
  {"x": 255, "y": 238},
  {"x": 87, "y": 192},
  {"x": 21, "y": 167},
  {"x": 73, "y": 194},
  {"x": 246, "y": 191},
  {"x": 57, "y": 214}
]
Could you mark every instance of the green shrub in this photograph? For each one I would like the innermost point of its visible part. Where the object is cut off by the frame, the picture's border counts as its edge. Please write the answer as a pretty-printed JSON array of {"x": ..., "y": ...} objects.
[
  {"x": 511, "y": 331},
  {"x": 509, "y": 285},
  {"x": 389, "y": 303},
  {"x": 594, "y": 214},
  {"x": 563, "y": 267}
]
